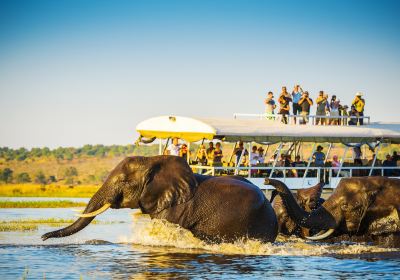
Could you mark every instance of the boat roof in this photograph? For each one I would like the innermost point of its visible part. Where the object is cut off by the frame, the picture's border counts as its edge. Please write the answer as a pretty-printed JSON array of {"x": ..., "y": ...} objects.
[{"x": 231, "y": 130}]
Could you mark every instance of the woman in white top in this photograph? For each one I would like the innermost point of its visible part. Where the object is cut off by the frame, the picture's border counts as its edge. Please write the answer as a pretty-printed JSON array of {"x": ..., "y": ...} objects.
[
  {"x": 334, "y": 110},
  {"x": 174, "y": 148}
]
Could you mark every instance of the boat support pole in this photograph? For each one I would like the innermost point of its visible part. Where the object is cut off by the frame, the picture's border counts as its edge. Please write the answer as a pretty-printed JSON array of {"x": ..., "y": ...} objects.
[
  {"x": 374, "y": 160},
  {"x": 166, "y": 146},
  {"x": 342, "y": 161},
  {"x": 308, "y": 164},
  {"x": 327, "y": 153},
  {"x": 233, "y": 150},
  {"x": 276, "y": 159},
  {"x": 198, "y": 149},
  {"x": 249, "y": 175}
]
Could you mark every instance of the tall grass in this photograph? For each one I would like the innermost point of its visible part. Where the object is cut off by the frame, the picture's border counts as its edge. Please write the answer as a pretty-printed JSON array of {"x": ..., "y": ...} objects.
[
  {"x": 40, "y": 204},
  {"x": 33, "y": 224},
  {"x": 54, "y": 190}
]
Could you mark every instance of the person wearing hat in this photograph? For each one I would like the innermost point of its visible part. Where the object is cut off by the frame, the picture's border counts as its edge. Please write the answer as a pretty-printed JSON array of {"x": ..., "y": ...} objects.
[
  {"x": 322, "y": 108},
  {"x": 359, "y": 104},
  {"x": 261, "y": 156},
  {"x": 305, "y": 103},
  {"x": 343, "y": 111},
  {"x": 319, "y": 160},
  {"x": 270, "y": 105}
]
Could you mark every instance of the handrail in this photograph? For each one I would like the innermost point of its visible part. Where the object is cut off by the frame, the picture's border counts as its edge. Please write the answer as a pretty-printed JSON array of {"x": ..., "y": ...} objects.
[{"x": 291, "y": 118}]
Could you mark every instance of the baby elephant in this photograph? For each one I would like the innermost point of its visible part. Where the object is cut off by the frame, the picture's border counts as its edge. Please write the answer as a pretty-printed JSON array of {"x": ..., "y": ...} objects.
[{"x": 308, "y": 199}]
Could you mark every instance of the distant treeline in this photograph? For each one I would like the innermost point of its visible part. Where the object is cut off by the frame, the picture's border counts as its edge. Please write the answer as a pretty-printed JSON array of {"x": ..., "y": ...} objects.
[
  {"x": 70, "y": 153},
  {"x": 29, "y": 166}
]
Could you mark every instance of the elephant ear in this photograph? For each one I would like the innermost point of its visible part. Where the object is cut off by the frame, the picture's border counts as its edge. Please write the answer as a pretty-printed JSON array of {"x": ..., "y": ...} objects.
[{"x": 168, "y": 182}]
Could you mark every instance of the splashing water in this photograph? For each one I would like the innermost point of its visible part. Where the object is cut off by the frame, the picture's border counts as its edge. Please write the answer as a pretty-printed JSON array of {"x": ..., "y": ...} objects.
[{"x": 156, "y": 232}]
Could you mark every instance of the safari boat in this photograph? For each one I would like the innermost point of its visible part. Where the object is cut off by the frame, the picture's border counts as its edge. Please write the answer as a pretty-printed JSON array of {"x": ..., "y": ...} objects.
[{"x": 276, "y": 139}]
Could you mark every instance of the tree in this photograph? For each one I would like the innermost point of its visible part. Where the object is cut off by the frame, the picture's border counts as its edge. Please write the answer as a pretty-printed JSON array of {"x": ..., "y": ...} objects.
[
  {"x": 23, "y": 178},
  {"x": 70, "y": 172},
  {"x": 6, "y": 175},
  {"x": 40, "y": 178},
  {"x": 52, "y": 179}
]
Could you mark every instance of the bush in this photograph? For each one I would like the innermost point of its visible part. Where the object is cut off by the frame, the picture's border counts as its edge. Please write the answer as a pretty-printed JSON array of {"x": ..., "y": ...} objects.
[
  {"x": 40, "y": 178},
  {"x": 23, "y": 178},
  {"x": 70, "y": 172},
  {"x": 6, "y": 175}
]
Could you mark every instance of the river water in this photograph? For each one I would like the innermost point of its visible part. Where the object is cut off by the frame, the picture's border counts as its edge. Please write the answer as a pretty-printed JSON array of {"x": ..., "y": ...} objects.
[{"x": 129, "y": 245}]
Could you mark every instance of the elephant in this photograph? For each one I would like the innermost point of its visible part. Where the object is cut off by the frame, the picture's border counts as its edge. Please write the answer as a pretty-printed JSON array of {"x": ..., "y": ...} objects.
[
  {"x": 360, "y": 209},
  {"x": 214, "y": 209},
  {"x": 308, "y": 199}
]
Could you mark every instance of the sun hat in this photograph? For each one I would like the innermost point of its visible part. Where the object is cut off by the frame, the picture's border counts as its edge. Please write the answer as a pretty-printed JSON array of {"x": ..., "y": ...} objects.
[{"x": 359, "y": 94}]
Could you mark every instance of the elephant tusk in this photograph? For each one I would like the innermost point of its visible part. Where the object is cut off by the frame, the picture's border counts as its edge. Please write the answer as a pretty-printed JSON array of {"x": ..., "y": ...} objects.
[
  {"x": 321, "y": 235},
  {"x": 95, "y": 213}
]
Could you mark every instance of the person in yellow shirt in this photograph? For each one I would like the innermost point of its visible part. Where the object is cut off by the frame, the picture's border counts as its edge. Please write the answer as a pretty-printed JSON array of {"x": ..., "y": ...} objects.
[{"x": 359, "y": 104}]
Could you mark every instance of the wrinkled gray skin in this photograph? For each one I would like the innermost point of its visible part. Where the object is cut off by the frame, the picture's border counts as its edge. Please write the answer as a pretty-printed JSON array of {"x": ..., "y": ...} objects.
[
  {"x": 308, "y": 199},
  {"x": 214, "y": 209},
  {"x": 359, "y": 209}
]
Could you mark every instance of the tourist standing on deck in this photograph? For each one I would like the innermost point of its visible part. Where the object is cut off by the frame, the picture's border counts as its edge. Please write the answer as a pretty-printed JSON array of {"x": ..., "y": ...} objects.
[
  {"x": 319, "y": 161},
  {"x": 284, "y": 100},
  {"x": 359, "y": 104},
  {"x": 218, "y": 153},
  {"x": 174, "y": 148},
  {"x": 305, "y": 103},
  {"x": 270, "y": 106},
  {"x": 184, "y": 152},
  {"x": 297, "y": 93},
  {"x": 210, "y": 153},
  {"x": 334, "y": 110},
  {"x": 322, "y": 108}
]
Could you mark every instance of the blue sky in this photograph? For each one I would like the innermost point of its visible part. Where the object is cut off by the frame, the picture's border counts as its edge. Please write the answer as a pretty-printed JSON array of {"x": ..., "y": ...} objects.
[{"x": 86, "y": 72}]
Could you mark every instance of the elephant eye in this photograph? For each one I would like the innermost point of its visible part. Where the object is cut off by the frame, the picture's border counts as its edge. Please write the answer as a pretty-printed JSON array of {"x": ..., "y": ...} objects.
[{"x": 344, "y": 207}]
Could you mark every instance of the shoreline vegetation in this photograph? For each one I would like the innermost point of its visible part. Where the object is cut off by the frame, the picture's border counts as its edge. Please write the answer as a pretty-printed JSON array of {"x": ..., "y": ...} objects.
[
  {"x": 33, "y": 224},
  {"x": 52, "y": 190},
  {"x": 40, "y": 204}
]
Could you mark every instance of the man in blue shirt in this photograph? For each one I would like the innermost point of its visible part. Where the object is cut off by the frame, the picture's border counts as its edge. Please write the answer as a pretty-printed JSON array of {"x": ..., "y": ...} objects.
[{"x": 296, "y": 94}]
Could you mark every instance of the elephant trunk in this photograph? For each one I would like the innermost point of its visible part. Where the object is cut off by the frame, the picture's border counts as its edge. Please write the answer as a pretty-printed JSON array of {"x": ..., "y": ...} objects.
[
  {"x": 95, "y": 203},
  {"x": 320, "y": 219}
]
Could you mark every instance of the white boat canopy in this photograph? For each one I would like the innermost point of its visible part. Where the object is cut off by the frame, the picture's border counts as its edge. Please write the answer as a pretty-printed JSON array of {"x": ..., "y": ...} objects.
[{"x": 231, "y": 130}]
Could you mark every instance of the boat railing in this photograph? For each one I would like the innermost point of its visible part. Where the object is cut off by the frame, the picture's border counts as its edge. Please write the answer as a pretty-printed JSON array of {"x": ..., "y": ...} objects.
[
  {"x": 309, "y": 119},
  {"x": 307, "y": 175}
]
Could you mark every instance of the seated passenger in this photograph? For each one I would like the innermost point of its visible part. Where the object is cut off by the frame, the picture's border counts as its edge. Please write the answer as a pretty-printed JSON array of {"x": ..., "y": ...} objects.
[
  {"x": 388, "y": 163},
  {"x": 184, "y": 152},
  {"x": 254, "y": 156},
  {"x": 218, "y": 153},
  {"x": 202, "y": 155},
  {"x": 261, "y": 156},
  {"x": 210, "y": 153},
  {"x": 335, "y": 165},
  {"x": 174, "y": 148},
  {"x": 353, "y": 116},
  {"x": 239, "y": 151}
]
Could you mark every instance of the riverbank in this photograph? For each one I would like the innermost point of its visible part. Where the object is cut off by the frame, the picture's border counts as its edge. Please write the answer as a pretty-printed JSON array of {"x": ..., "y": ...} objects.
[
  {"x": 41, "y": 204},
  {"x": 52, "y": 190}
]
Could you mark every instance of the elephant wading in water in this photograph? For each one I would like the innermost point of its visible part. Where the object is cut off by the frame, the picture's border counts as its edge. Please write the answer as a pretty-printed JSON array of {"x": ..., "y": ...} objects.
[
  {"x": 308, "y": 199},
  {"x": 214, "y": 209},
  {"x": 362, "y": 209}
]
